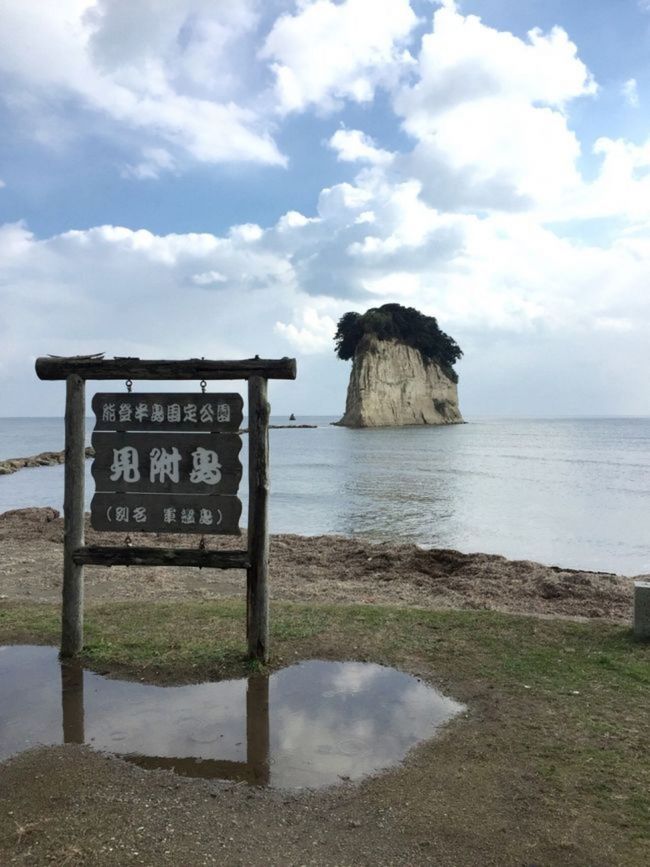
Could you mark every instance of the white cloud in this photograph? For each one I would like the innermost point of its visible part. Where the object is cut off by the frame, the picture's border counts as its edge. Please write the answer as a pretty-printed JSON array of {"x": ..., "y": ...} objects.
[
  {"x": 352, "y": 145},
  {"x": 209, "y": 278},
  {"x": 313, "y": 332},
  {"x": 488, "y": 110},
  {"x": 2, "y": 184},
  {"x": 142, "y": 69},
  {"x": 156, "y": 160},
  {"x": 630, "y": 92},
  {"x": 622, "y": 186},
  {"x": 463, "y": 225},
  {"x": 330, "y": 51}
]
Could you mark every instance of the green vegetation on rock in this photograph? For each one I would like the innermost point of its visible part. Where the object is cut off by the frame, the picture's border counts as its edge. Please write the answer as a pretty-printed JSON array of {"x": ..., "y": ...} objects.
[{"x": 405, "y": 324}]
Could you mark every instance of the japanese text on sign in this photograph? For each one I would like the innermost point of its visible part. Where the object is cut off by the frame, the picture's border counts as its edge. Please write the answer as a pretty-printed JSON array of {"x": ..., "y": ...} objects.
[{"x": 183, "y": 412}]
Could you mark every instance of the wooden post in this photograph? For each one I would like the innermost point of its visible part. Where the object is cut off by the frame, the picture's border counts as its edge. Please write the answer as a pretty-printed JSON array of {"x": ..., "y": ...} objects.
[
  {"x": 257, "y": 612},
  {"x": 257, "y": 729},
  {"x": 73, "y": 515},
  {"x": 72, "y": 702}
]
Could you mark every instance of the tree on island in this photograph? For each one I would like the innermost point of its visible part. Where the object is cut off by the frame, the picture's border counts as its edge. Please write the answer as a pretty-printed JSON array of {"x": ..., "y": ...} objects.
[{"x": 405, "y": 324}]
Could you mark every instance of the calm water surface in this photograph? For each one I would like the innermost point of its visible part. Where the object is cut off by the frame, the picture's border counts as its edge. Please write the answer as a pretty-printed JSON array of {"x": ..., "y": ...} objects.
[
  {"x": 308, "y": 725},
  {"x": 571, "y": 492}
]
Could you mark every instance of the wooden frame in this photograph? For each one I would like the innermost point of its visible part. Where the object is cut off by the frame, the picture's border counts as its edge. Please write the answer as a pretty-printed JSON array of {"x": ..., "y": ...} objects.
[{"x": 75, "y": 371}]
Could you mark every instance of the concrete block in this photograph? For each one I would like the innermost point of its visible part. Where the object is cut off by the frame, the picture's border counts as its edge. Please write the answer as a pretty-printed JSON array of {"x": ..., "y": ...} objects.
[{"x": 642, "y": 609}]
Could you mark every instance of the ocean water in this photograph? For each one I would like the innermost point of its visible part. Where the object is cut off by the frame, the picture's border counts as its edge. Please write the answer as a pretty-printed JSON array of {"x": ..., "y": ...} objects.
[{"x": 567, "y": 492}]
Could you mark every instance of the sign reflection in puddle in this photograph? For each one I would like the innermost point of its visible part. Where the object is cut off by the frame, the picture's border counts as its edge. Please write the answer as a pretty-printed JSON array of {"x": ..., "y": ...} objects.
[{"x": 311, "y": 724}]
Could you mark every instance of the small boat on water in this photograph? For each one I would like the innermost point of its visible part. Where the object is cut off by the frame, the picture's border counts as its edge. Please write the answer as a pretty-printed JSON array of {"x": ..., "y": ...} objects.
[{"x": 292, "y": 417}]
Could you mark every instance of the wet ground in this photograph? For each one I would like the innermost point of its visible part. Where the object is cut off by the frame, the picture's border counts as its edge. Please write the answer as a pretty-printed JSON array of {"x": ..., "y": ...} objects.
[{"x": 312, "y": 724}]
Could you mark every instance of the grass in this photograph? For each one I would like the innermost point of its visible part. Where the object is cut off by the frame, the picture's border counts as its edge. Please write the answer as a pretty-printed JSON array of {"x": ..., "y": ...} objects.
[{"x": 565, "y": 702}]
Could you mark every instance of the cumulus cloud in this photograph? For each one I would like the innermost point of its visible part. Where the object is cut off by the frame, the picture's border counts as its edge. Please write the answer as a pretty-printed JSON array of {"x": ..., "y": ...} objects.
[
  {"x": 352, "y": 145},
  {"x": 156, "y": 161},
  {"x": 473, "y": 220},
  {"x": 311, "y": 333},
  {"x": 143, "y": 70},
  {"x": 630, "y": 92},
  {"x": 488, "y": 111},
  {"x": 330, "y": 51}
]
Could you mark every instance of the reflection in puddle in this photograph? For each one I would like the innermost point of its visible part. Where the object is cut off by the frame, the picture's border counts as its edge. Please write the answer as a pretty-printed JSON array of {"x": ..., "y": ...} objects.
[{"x": 311, "y": 724}]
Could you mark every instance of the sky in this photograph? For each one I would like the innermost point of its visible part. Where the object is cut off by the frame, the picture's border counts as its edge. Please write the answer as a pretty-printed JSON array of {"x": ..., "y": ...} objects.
[{"x": 187, "y": 178}]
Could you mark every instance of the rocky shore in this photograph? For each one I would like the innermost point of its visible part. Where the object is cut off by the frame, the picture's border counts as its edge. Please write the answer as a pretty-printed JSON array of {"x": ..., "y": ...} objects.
[
  {"x": 44, "y": 459},
  {"x": 317, "y": 568}
]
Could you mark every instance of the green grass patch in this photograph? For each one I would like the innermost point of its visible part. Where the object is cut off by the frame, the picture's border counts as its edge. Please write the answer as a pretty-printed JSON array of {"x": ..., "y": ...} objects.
[{"x": 566, "y": 703}]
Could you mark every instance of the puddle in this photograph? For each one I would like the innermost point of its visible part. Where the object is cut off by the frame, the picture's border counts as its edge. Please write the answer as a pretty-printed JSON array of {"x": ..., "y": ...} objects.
[{"x": 308, "y": 725}]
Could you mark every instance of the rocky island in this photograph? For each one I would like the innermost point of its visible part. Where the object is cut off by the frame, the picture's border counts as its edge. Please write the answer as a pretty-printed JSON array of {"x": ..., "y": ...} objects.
[{"x": 402, "y": 368}]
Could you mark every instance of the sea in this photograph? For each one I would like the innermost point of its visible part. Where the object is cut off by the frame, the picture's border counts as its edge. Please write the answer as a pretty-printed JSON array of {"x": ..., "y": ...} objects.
[{"x": 570, "y": 492}]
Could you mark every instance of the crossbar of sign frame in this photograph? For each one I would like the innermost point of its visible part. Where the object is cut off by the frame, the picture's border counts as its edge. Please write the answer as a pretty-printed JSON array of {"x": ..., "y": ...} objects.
[
  {"x": 172, "y": 463},
  {"x": 160, "y": 513},
  {"x": 163, "y": 412}
]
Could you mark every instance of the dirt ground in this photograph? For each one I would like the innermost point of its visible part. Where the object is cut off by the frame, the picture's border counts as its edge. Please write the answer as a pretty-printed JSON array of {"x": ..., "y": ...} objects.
[
  {"x": 469, "y": 797},
  {"x": 321, "y": 568}
]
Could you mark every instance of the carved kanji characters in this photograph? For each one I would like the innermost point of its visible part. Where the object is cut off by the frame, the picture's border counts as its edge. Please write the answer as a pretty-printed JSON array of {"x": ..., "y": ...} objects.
[
  {"x": 173, "y": 412},
  {"x": 141, "y": 411},
  {"x": 157, "y": 412},
  {"x": 206, "y": 467},
  {"x": 125, "y": 412},
  {"x": 164, "y": 464},
  {"x": 206, "y": 413},
  {"x": 205, "y": 516},
  {"x": 122, "y": 514},
  {"x": 125, "y": 465},
  {"x": 189, "y": 412}
]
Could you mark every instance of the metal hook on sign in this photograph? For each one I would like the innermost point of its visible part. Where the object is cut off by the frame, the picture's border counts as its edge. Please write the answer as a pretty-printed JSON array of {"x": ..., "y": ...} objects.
[
  {"x": 129, "y": 385},
  {"x": 204, "y": 385},
  {"x": 202, "y": 544},
  {"x": 128, "y": 541}
]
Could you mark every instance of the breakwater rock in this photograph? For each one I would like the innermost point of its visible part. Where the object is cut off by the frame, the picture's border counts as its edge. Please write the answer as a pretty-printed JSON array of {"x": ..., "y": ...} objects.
[{"x": 44, "y": 459}]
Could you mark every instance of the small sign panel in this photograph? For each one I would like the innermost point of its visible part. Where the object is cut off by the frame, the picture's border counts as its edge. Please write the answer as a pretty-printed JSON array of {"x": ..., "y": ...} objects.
[
  {"x": 150, "y": 513},
  {"x": 159, "y": 463},
  {"x": 181, "y": 480},
  {"x": 158, "y": 412}
]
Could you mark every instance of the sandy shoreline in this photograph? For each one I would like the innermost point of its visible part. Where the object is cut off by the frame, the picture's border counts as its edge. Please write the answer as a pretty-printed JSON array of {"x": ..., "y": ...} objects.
[{"x": 319, "y": 569}]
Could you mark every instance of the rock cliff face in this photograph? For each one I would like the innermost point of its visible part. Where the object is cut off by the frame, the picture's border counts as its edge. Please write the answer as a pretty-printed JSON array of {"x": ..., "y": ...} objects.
[{"x": 392, "y": 384}]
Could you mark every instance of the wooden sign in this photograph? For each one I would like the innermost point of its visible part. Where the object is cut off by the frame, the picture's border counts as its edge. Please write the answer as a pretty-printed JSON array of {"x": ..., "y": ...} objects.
[
  {"x": 150, "y": 513},
  {"x": 175, "y": 463},
  {"x": 166, "y": 462},
  {"x": 181, "y": 480},
  {"x": 161, "y": 412}
]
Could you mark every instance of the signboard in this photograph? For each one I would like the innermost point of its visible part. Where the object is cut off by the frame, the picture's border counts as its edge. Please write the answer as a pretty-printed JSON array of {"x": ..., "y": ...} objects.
[
  {"x": 183, "y": 480},
  {"x": 180, "y": 412},
  {"x": 166, "y": 462},
  {"x": 154, "y": 514}
]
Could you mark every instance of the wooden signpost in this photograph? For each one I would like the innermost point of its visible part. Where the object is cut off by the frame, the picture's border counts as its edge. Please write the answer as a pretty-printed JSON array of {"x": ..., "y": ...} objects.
[{"x": 166, "y": 463}]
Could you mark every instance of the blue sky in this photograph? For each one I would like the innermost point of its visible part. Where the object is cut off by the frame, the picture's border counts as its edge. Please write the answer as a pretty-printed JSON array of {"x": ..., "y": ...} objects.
[{"x": 191, "y": 177}]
